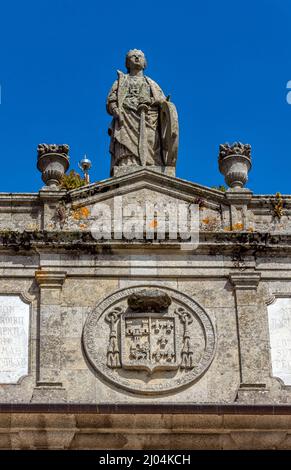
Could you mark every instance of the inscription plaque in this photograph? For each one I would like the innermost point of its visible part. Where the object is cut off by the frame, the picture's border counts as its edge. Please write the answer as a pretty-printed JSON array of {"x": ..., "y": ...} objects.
[
  {"x": 14, "y": 328},
  {"x": 279, "y": 313}
]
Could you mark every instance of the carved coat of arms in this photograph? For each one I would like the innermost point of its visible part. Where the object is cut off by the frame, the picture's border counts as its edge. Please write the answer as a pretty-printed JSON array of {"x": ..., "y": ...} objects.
[
  {"x": 148, "y": 331},
  {"x": 148, "y": 342},
  {"x": 148, "y": 334}
]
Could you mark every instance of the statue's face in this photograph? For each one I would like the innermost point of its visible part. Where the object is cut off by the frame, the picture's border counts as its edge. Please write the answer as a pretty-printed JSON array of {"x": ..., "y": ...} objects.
[{"x": 136, "y": 60}]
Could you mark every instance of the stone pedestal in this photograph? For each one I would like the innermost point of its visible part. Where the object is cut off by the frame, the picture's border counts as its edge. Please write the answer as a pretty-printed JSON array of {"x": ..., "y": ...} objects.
[
  {"x": 49, "y": 353},
  {"x": 125, "y": 170},
  {"x": 239, "y": 214},
  {"x": 50, "y": 200}
]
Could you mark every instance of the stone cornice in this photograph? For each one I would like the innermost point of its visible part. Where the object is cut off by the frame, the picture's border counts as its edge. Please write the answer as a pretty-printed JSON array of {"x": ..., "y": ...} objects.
[{"x": 215, "y": 243}]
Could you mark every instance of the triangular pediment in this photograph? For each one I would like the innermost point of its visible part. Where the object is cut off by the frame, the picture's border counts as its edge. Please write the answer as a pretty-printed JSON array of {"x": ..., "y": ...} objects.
[
  {"x": 142, "y": 192},
  {"x": 149, "y": 184}
]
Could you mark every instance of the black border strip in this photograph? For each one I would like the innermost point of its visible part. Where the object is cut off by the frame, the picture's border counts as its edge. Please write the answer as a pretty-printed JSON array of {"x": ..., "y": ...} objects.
[{"x": 162, "y": 408}]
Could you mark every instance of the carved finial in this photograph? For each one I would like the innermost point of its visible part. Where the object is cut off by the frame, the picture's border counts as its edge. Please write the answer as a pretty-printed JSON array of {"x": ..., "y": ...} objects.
[
  {"x": 235, "y": 163},
  {"x": 62, "y": 149},
  {"x": 237, "y": 148},
  {"x": 52, "y": 162},
  {"x": 85, "y": 165}
]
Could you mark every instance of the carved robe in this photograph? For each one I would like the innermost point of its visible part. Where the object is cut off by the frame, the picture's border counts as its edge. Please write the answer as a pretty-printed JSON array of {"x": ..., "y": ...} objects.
[{"x": 126, "y": 94}]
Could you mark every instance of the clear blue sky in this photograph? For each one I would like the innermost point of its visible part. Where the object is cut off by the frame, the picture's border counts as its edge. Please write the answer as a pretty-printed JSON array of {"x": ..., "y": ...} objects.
[{"x": 225, "y": 63}]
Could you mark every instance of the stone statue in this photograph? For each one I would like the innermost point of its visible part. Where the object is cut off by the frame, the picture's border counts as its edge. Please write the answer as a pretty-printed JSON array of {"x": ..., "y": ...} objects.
[{"x": 144, "y": 129}]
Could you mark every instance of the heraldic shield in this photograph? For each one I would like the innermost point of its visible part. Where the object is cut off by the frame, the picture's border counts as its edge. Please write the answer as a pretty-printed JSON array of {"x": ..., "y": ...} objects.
[
  {"x": 169, "y": 133},
  {"x": 148, "y": 342},
  {"x": 149, "y": 339}
]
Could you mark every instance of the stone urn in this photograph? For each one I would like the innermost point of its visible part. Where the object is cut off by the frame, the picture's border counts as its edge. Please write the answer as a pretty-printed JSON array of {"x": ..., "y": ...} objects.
[
  {"x": 235, "y": 163},
  {"x": 52, "y": 162}
]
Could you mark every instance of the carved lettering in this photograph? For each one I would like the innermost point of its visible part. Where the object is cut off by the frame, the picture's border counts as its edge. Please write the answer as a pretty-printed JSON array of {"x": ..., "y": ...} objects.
[
  {"x": 14, "y": 327},
  {"x": 280, "y": 338}
]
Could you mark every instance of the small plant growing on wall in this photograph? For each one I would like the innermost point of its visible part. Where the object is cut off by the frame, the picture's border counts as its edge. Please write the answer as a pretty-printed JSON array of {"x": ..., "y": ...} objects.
[
  {"x": 221, "y": 188},
  {"x": 72, "y": 180},
  {"x": 278, "y": 205}
]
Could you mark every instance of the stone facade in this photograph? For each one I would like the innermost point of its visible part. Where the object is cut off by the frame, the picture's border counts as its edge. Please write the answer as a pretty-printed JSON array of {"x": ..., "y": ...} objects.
[{"x": 91, "y": 358}]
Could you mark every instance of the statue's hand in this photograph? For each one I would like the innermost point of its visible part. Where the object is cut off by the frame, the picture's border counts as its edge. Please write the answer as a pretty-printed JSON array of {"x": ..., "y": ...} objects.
[
  {"x": 115, "y": 112},
  {"x": 120, "y": 119},
  {"x": 143, "y": 107},
  {"x": 158, "y": 102},
  {"x": 118, "y": 116}
]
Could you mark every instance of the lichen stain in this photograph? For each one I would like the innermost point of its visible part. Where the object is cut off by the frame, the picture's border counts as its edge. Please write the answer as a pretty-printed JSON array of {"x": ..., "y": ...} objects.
[
  {"x": 153, "y": 224},
  {"x": 210, "y": 223},
  {"x": 236, "y": 227},
  {"x": 81, "y": 213}
]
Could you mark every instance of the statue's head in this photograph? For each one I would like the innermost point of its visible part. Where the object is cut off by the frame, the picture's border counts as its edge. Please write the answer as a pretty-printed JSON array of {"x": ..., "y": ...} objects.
[{"x": 135, "y": 58}]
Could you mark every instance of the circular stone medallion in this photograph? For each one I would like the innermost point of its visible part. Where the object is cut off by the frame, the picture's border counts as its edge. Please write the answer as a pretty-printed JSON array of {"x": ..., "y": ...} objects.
[{"x": 156, "y": 348}]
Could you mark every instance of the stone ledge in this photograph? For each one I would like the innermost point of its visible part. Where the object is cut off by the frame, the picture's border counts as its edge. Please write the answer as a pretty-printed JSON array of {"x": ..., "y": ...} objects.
[
  {"x": 209, "y": 428},
  {"x": 248, "y": 243}
]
